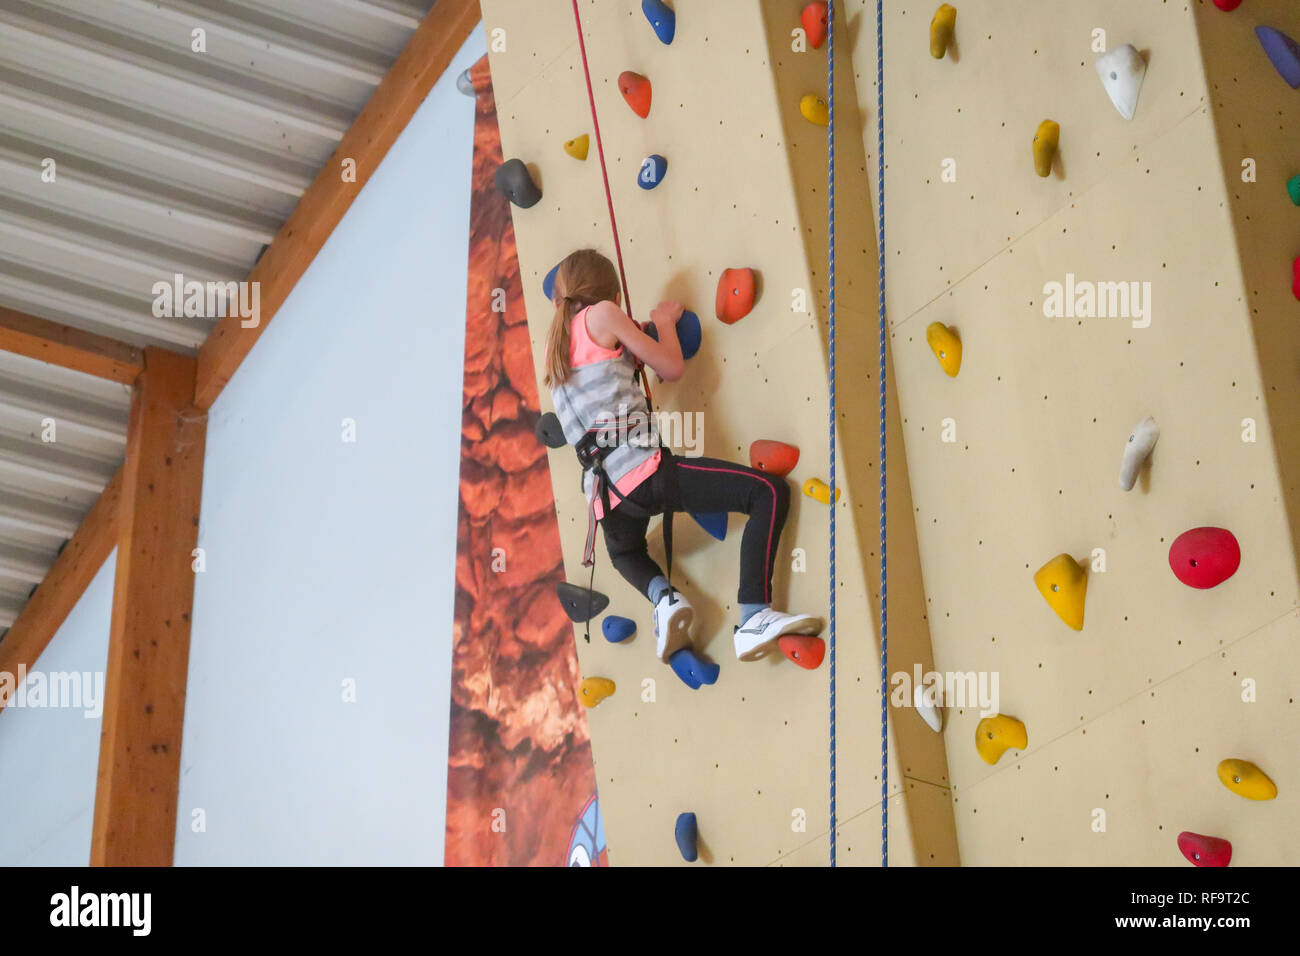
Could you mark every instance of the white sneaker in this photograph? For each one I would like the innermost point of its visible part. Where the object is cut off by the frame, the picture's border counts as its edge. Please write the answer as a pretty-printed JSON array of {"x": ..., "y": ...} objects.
[
  {"x": 673, "y": 618},
  {"x": 760, "y": 633}
]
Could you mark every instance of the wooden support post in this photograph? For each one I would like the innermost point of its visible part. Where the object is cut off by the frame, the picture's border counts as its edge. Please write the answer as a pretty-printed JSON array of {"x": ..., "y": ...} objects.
[{"x": 149, "y": 640}]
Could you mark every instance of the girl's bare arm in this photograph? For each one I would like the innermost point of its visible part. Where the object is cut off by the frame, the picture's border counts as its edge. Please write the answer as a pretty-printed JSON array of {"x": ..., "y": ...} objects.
[{"x": 610, "y": 325}]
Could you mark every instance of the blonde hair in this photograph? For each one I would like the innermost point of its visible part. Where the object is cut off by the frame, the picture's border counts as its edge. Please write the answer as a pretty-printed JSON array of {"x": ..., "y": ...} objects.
[{"x": 584, "y": 278}]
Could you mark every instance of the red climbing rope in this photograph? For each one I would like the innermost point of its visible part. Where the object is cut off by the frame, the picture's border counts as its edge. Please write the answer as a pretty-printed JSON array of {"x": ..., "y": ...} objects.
[{"x": 604, "y": 173}]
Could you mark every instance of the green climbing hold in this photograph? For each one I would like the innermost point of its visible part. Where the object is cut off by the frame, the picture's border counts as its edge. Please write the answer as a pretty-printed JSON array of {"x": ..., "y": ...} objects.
[{"x": 1293, "y": 187}]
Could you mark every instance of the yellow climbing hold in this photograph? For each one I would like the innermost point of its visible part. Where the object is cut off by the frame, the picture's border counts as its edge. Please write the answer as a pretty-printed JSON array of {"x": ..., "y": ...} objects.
[
  {"x": 819, "y": 490},
  {"x": 946, "y": 347},
  {"x": 942, "y": 29},
  {"x": 994, "y": 736},
  {"x": 1046, "y": 142},
  {"x": 577, "y": 147},
  {"x": 595, "y": 689},
  {"x": 815, "y": 110},
  {"x": 1246, "y": 780},
  {"x": 1063, "y": 584}
]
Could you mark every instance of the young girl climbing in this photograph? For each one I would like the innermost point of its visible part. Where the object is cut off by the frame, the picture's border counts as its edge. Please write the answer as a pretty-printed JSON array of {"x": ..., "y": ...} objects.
[{"x": 594, "y": 355}]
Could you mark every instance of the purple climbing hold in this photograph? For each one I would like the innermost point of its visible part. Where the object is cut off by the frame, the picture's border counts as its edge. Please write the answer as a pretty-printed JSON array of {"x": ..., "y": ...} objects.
[
  {"x": 662, "y": 19},
  {"x": 617, "y": 629},
  {"x": 1283, "y": 51},
  {"x": 692, "y": 669},
  {"x": 714, "y": 522}
]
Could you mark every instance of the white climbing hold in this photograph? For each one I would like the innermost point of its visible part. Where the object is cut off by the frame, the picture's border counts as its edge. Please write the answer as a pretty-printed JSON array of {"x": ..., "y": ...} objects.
[
  {"x": 1137, "y": 450},
  {"x": 1122, "y": 71},
  {"x": 929, "y": 713}
]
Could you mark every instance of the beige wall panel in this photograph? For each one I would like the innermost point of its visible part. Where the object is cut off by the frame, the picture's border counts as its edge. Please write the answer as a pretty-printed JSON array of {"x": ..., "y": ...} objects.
[
  {"x": 1042, "y": 409},
  {"x": 749, "y": 752},
  {"x": 1256, "y": 117},
  {"x": 1149, "y": 763}
]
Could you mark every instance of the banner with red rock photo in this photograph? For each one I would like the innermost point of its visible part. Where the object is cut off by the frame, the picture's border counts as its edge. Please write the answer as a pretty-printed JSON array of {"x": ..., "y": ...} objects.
[{"x": 520, "y": 785}]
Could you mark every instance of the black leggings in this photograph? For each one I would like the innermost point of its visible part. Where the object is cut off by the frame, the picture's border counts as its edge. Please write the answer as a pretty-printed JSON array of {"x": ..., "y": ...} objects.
[{"x": 704, "y": 485}]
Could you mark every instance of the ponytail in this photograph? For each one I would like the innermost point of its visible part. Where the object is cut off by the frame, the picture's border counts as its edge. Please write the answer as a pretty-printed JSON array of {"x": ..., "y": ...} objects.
[{"x": 584, "y": 278}]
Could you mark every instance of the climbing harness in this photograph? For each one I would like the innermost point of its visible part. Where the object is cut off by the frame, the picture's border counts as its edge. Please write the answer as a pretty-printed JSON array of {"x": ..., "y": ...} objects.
[{"x": 592, "y": 450}]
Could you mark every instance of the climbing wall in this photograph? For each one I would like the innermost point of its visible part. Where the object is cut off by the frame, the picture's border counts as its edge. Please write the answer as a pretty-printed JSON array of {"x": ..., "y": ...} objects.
[
  {"x": 749, "y": 754},
  {"x": 1017, "y": 458}
]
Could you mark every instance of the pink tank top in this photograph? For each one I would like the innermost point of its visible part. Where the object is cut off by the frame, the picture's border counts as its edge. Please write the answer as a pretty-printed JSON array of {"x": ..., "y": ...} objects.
[{"x": 583, "y": 350}]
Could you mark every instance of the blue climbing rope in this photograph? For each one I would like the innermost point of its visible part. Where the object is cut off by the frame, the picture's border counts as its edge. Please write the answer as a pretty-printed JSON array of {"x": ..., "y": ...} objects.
[
  {"x": 884, "y": 577},
  {"x": 830, "y": 255}
]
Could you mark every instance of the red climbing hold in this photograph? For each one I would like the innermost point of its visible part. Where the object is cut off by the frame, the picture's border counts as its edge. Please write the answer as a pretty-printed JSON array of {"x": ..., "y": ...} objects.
[
  {"x": 773, "y": 457},
  {"x": 1228, "y": 6},
  {"x": 813, "y": 19},
  {"x": 1204, "y": 557},
  {"x": 1295, "y": 277},
  {"x": 1204, "y": 850},
  {"x": 636, "y": 90},
  {"x": 735, "y": 295},
  {"x": 803, "y": 649}
]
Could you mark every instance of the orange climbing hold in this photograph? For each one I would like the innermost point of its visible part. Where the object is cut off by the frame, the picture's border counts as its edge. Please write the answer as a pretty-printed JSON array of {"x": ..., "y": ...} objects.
[
  {"x": 736, "y": 291},
  {"x": 803, "y": 649},
  {"x": 636, "y": 90},
  {"x": 773, "y": 457},
  {"x": 814, "y": 23},
  {"x": 594, "y": 690},
  {"x": 1246, "y": 780}
]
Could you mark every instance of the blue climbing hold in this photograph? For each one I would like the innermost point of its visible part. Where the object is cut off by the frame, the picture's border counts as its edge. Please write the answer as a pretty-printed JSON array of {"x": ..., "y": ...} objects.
[
  {"x": 548, "y": 284},
  {"x": 714, "y": 522},
  {"x": 687, "y": 832},
  {"x": 1283, "y": 51},
  {"x": 689, "y": 334},
  {"x": 652, "y": 172},
  {"x": 692, "y": 669},
  {"x": 617, "y": 629},
  {"x": 662, "y": 19}
]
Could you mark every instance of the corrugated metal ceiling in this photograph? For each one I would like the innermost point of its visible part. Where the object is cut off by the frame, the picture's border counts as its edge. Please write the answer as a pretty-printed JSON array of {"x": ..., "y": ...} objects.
[{"x": 167, "y": 161}]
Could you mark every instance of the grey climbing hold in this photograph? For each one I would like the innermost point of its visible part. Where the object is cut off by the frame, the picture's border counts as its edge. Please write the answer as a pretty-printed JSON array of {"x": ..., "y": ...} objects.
[
  {"x": 514, "y": 180},
  {"x": 549, "y": 431},
  {"x": 1137, "y": 450},
  {"x": 580, "y": 604},
  {"x": 1122, "y": 71},
  {"x": 466, "y": 85}
]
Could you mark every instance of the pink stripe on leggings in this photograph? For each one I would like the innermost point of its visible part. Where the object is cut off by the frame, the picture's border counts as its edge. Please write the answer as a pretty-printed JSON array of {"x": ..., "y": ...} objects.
[{"x": 771, "y": 523}]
